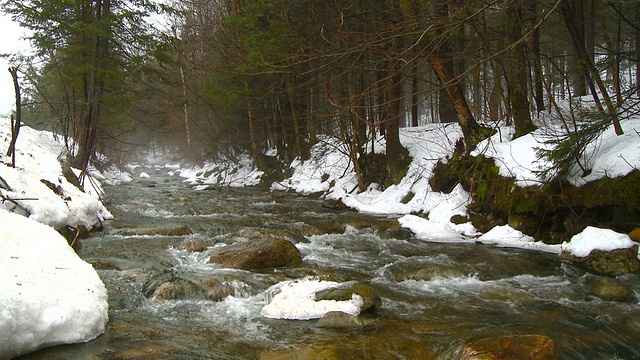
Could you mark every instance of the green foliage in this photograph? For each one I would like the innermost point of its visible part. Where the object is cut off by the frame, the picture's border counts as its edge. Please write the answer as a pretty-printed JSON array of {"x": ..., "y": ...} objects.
[{"x": 569, "y": 148}]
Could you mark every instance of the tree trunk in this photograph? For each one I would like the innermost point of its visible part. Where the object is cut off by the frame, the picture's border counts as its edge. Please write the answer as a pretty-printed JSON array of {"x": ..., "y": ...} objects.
[
  {"x": 415, "y": 106},
  {"x": 578, "y": 42},
  {"x": 535, "y": 52},
  {"x": 518, "y": 71},
  {"x": 466, "y": 120},
  {"x": 446, "y": 108},
  {"x": 16, "y": 122},
  {"x": 577, "y": 67},
  {"x": 394, "y": 149},
  {"x": 637, "y": 36},
  {"x": 185, "y": 107}
]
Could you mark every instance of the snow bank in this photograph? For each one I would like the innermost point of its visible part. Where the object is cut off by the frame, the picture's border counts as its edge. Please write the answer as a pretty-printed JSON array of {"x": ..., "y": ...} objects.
[
  {"x": 592, "y": 238},
  {"x": 608, "y": 155},
  {"x": 224, "y": 173},
  {"x": 49, "y": 295},
  {"x": 295, "y": 300},
  {"x": 506, "y": 236},
  {"x": 38, "y": 186}
]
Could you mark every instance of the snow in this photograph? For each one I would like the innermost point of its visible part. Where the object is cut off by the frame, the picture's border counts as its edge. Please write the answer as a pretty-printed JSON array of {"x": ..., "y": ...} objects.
[
  {"x": 49, "y": 295},
  {"x": 506, "y": 236},
  {"x": 37, "y": 155},
  {"x": 330, "y": 171},
  {"x": 592, "y": 238},
  {"x": 295, "y": 300},
  {"x": 609, "y": 155}
]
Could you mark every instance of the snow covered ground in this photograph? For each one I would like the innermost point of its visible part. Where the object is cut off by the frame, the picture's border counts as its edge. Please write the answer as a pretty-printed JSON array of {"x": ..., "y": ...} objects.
[
  {"x": 49, "y": 295},
  {"x": 331, "y": 172}
]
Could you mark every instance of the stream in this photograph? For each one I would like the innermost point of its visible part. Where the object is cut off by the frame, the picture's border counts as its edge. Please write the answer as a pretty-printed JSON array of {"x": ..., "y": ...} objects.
[{"x": 435, "y": 296}]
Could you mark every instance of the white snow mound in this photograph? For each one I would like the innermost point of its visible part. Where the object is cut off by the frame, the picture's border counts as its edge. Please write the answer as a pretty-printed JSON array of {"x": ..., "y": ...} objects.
[
  {"x": 592, "y": 238},
  {"x": 295, "y": 300},
  {"x": 49, "y": 295}
]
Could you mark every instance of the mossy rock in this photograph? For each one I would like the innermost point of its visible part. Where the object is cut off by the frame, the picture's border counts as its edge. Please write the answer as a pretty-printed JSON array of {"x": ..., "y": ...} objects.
[{"x": 259, "y": 254}]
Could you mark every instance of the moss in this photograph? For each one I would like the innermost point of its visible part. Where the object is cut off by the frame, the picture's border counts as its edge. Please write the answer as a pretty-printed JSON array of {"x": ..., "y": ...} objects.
[{"x": 554, "y": 211}]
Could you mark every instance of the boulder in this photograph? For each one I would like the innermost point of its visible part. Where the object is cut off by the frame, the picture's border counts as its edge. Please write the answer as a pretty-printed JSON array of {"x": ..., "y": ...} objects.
[
  {"x": 509, "y": 347},
  {"x": 371, "y": 300},
  {"x": 611, "y": 263},
  {"x": 266, "y": 253}
]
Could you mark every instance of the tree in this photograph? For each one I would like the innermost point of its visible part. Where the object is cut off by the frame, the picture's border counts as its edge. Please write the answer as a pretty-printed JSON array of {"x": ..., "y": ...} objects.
[
  {"x": 518, "y": 69},
  {"x": 93, "y": 49}
]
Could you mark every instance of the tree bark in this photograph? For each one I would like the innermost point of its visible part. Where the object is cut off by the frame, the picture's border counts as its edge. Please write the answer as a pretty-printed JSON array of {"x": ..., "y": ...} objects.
[
  {"x": 518, "y": 71},
  {"x": 454, "y": 91},
  {"x": 578, "y": 42},
  {"x": 16, "y": 122}
]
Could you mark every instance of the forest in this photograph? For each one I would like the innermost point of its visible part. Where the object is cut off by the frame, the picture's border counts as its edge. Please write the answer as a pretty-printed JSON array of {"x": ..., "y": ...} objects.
[{"x": 210, "y": 79}]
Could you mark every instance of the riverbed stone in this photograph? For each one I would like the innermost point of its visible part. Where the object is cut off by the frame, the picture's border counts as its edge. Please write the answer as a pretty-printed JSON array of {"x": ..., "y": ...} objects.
[
  {"x": 610, "y": 289},
  {"x": 371, "y": 300},
  {"x": 164, "y": 230},
  {"x": 635, "y": 234},
  {"x": 266, "y": 253},
  {"x": 291, "y": 236},
  {"x": 195, "y": 245},
  {"x": 339, "y": 320},
  {"x": 509, "y": 347},
  {"x": 611, "y": 263}
]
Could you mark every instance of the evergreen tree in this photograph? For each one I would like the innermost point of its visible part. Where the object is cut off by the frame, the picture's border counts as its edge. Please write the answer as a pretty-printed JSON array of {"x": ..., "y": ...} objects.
[{"x": 93, "y": 52}]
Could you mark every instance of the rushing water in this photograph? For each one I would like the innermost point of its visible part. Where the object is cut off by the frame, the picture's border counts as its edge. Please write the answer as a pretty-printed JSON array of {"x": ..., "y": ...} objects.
[{"x": 435, "y": 297}]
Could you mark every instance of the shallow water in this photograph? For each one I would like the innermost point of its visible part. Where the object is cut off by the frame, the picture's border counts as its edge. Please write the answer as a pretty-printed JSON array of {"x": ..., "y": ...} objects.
[{"x": 435, "y": 297}]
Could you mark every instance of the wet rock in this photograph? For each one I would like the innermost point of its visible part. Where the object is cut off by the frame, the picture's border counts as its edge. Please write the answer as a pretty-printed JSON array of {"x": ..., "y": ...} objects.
[
  {"x": 291, "y": 236},
  {"x": 510, "y": 347},
  {"x": 370, "y": 298},
  {"x": 610, "y": 289},
  {"x": 168, "y": 291},
  {"x": 339, "y": 319},
  {"x": 396, "y": 233},
  {"x": 432, "y": 271},
  {"x": 101, "y": 264},
  {"x": 614, "y": 262},
  {"x": 195, "y": 246},
  {"x": 258, "y": 254},
  {"x": 635, "y": 234},
  {"x": 524, "y": 223},
  {"x": 168, "y": 285},
  {"x": 167, "y": 230},
  {"x": 459, "y": 219}
]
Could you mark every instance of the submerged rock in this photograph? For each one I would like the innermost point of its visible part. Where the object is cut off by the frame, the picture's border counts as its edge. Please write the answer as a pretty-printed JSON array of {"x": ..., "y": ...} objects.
[
  {"x": 510, "y": 347},
  {"x": 167, "y": 230},
  {"x": 339, "y": 319},
  {"x": 267, "y": 253},
  {"x": 609, "y": 289}
]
